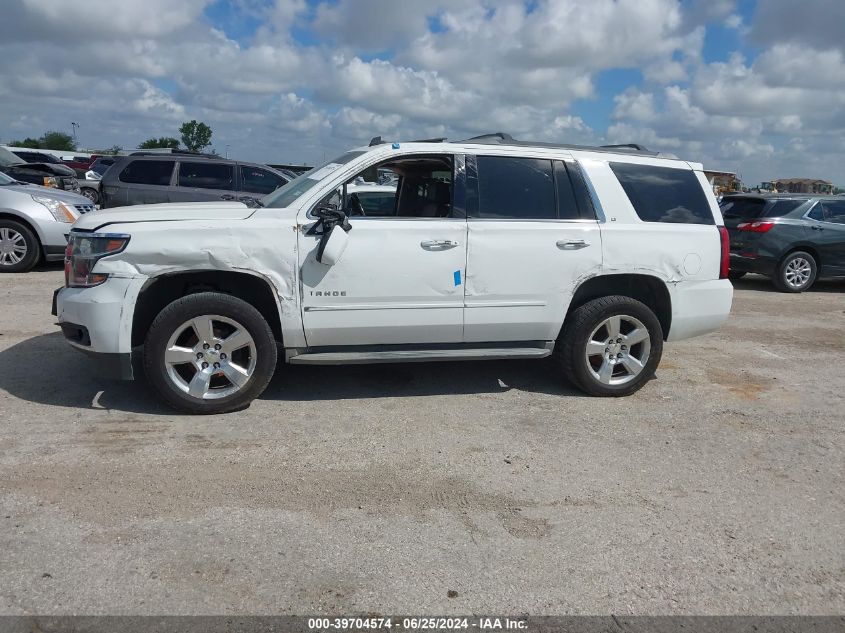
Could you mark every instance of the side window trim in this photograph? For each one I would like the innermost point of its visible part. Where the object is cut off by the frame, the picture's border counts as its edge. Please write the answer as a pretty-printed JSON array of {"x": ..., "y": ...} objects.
[{"x": 589, "y": 207}]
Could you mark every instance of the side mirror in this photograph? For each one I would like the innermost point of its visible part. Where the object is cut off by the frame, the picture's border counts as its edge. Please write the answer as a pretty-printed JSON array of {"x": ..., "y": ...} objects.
[{"x": 332, "y": 245}]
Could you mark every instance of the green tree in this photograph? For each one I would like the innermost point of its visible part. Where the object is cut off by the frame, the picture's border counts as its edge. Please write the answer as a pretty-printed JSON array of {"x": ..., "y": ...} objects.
[
  {"x": 164, "y": 141},
  {"x": 57, "y": 140},
  {"x": 27, "y": 142},
  {"x": 114, "y": 149},
  {"x": 195, "y": 135}
]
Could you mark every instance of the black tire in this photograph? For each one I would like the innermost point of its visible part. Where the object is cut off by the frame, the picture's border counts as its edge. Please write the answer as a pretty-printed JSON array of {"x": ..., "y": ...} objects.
[
  {"x": 784, "y": 278},
  {"x": 571, "y": 348},
  {"x": 91, "y": 194},
  {"x": 11, "y": 233},
  {"x": 736, "y": 274},
  {"x": 172, "y": 317}
]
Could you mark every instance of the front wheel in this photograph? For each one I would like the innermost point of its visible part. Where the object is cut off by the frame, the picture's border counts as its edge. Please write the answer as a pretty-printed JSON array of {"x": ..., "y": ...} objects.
[
  {"x": 91, "y": 194},
  {"x": 209, "y": 353},
  {"x": 19, "y": 247},
  {"x": 610, "y": 346}
]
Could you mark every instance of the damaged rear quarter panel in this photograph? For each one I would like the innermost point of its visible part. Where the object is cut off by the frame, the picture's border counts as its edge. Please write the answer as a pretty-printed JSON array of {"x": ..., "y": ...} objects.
[{"x": 262, "y": 245}]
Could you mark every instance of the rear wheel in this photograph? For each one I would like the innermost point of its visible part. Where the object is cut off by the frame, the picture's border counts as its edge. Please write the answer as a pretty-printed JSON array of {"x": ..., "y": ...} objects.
[
  {"x": 796, "y": 272},
  {"x": 610, "y": 346},
  {"x": 209, "y": 353},
  {"x": 19, "y": 247}
]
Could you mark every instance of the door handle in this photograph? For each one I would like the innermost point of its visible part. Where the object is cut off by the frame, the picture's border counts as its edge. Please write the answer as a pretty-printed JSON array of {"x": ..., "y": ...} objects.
[
  {"x": 439, "y": 244},
  {"x": 572, "y": 245},
  {"x": 226, "y": 196},
  {"x": 816, "y": 227}
]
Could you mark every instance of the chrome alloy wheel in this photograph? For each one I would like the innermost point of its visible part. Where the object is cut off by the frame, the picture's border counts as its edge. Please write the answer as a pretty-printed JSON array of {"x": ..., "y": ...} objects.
[
  {"x": 210, "y": 357},
  {"x": 617, "y": 350},
  {"x": 12, "y": 247},
  {"x": 797, "y": 272}
]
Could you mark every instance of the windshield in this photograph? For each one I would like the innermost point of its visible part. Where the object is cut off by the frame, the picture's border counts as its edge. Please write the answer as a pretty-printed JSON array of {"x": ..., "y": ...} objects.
[
  {"x": 7, "y": 158},
  {"x": 285, "y": 196},
  {"x": 5, "y": 180}
]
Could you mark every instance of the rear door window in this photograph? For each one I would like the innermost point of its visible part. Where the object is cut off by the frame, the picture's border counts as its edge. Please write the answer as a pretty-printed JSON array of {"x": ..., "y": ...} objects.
[
  {"x": 664, "y": 194},
  {"x": 203, "y": 175},
  {"x": 516, "y": 188},
  {"x": 257, "y": 180},
  {"x": 833, "y": 210},
  {"x": 148, "y": 172}
]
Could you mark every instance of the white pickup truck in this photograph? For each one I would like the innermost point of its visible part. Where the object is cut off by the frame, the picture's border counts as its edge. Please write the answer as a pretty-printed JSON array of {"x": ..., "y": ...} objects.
[{"x": 489, "y": 248}]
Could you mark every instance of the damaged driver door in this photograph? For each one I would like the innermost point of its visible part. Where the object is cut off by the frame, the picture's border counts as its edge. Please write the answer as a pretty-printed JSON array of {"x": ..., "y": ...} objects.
[{"x": 399, "y": 279}]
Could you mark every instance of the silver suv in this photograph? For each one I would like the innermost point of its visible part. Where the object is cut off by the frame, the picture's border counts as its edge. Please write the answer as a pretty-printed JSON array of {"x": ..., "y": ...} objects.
[
  {"x": 157, "y": 178},
  {"x": 35, "y": 222}
]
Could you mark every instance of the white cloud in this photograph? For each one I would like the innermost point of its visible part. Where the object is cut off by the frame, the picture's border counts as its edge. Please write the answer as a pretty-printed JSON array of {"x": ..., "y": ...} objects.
[{"x": 408, "y": 69}]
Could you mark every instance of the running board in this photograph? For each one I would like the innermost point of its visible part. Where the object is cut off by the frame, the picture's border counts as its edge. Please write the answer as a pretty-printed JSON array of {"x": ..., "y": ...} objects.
[{"x": 418, "y": 355}]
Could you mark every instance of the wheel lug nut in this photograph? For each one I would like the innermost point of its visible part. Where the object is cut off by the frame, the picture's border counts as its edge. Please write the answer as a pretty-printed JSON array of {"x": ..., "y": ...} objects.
[
  {"x": 205, "y": 365},
  {"x": 205, "y": 345},
  {"x": 199, "y": 354},
  {"x": 222, "y": 356},
  {"x": 217, "y": 346},
  {"x": 216, "y": 365}
]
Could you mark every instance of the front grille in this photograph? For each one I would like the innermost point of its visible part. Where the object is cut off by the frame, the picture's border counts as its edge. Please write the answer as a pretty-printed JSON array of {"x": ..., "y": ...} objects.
[{"x": 84, "y": 208}]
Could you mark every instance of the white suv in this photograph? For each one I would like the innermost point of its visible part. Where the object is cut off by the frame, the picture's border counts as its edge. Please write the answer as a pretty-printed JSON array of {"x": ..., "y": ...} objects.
[{"x": 490, "y": 248}]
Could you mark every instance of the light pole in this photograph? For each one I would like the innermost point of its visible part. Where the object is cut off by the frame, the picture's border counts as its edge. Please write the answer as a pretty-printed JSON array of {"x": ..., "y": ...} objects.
[
  {"x": 227, "y": 151},
  {"x": 75, "y": 125}
]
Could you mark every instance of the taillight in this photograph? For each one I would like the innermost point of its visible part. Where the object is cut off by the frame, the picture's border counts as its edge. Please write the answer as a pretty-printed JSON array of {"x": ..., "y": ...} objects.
[
  {"x": 86, "y": 249},
  {"x": 725, "y": 261},
  {"x": 761, "y": 226}
]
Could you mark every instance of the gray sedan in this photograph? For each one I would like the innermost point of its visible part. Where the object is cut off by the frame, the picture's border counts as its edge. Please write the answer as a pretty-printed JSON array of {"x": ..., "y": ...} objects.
[{"x": 34, "y": 223}]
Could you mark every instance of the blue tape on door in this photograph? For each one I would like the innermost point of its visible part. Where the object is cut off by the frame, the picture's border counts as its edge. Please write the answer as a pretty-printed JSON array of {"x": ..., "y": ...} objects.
[{"x": 457, "y": 277}]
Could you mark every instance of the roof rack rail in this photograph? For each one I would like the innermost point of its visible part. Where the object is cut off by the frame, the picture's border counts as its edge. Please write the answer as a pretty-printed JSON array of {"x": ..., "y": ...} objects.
[
  {"x": 636, "y": 146},
  {"x": 438, "y": 139},
  {"x": 501, "y": 138}
]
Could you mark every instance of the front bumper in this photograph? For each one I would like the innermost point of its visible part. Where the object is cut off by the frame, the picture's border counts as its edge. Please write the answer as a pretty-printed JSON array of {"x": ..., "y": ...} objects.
[{"x": 98, "y": 321}]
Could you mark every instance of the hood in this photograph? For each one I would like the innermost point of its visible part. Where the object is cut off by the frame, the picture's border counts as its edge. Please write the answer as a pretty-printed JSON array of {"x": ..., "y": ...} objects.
[
  {"x": 47, "y": 192},
  {"x": 164, "y": 213}
]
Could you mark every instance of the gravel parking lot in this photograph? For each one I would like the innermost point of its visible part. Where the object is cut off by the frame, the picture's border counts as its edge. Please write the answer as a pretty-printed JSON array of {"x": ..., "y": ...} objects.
[{"x": 433, "y": 488}]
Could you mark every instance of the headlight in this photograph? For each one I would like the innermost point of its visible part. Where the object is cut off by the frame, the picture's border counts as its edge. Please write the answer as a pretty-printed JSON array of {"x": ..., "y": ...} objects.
[
  {"x": 60, "y": 211},
  {"x": 86, "y": 249},
  {"x": 51, "y": 181}
]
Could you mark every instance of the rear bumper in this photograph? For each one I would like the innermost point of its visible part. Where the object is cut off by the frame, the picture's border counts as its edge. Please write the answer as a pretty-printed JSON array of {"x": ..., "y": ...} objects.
[
  {"x": 746, "y": 264},
  {"x": 699, "y": 307}
]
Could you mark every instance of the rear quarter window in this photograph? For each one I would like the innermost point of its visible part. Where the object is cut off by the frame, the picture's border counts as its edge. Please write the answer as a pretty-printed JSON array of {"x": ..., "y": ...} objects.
[
  {"x": 664, "y": 194},
  {"x": 148, "y": 172}
]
